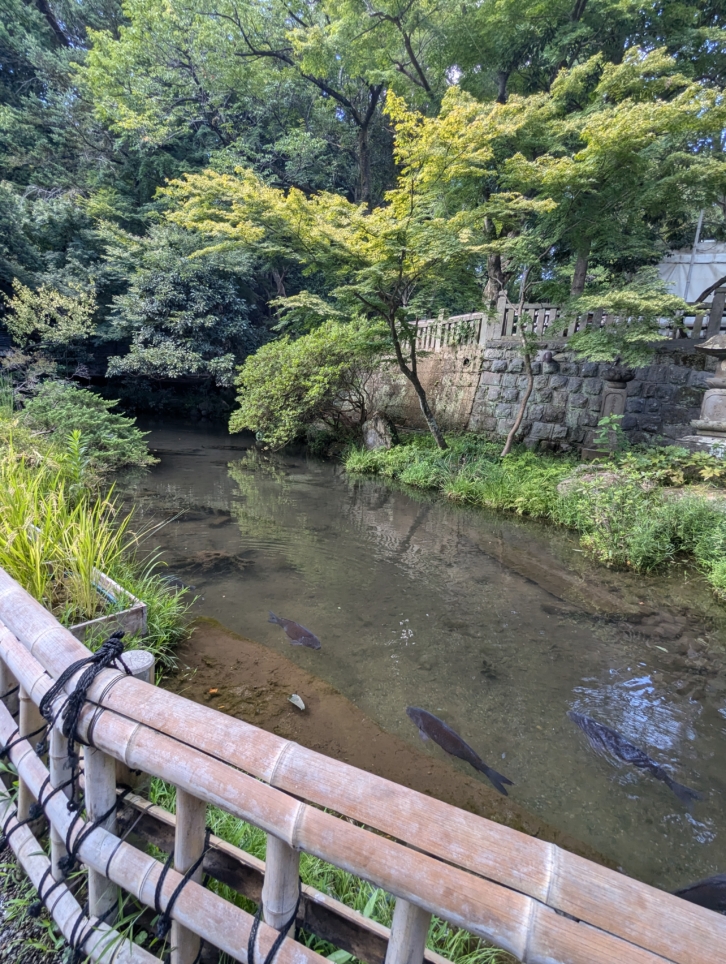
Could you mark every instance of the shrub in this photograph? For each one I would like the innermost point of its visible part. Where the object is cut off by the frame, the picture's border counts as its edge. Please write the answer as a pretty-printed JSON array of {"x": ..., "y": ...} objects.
[
  {"x": 111, "y": 441},
  {"x": 290, "y": 384}
]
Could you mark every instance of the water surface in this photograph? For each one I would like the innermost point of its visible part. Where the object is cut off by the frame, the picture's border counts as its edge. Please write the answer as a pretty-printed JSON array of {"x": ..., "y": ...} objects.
[{"x": 413, "y": 606}]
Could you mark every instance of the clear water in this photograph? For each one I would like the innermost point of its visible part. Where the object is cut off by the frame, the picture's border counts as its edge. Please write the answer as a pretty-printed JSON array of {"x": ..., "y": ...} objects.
[{"x": 412, "y": 607}]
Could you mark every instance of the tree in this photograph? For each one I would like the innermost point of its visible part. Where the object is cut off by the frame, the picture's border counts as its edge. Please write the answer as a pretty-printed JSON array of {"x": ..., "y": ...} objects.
[
  {"x": 183, "y": 316},
  {"x": 395, "y": 264},
  {"x": 47, "y": 320},
  {"x": 290, "y": 384}
]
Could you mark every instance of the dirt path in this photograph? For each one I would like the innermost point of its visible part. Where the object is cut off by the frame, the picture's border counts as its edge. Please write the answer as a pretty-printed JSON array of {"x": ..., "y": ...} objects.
[{"x": 253, "y": 683}]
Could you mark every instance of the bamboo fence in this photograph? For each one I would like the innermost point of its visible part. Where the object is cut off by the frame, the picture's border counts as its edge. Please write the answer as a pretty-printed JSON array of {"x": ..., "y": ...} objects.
[{"x": 542, "y": 904}]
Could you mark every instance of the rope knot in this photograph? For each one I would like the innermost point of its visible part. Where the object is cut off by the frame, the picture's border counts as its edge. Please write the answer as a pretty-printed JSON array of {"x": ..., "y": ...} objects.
[{"x": 105, "y": 656}]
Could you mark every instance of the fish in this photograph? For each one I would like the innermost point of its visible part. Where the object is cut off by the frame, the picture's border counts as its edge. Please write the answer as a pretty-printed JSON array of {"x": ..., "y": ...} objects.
[
  {"x": 710, "y": 893},
  {"x": 431, "y": 727},
  {"x": 297, "y": 634},
  {"x": 176, "y": 583},
  {"x": 606, "y": 741}
]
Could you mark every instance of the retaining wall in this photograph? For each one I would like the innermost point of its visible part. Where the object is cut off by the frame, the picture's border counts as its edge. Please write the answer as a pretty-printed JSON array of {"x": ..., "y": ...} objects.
[{"x": 478, "y": 389}]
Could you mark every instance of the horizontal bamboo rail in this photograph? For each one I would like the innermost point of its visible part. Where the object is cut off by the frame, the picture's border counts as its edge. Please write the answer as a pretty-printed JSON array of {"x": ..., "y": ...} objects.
[
  {"x": 319, "y": 913},
  {"x": 542, "y": 904},
  {"x": 103, "y": 943}
]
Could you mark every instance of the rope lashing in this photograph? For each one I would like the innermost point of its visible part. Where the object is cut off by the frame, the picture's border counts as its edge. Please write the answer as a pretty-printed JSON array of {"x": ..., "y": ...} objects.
[
  {"x": 164, "y": 922},
  {"x": 67, "y": 863},
  {"x": 280, "y": 937},
  {"x": 11, "y": 692},
  {"x": 76, "y": 941},
  {"x": 108, "y": 655}
]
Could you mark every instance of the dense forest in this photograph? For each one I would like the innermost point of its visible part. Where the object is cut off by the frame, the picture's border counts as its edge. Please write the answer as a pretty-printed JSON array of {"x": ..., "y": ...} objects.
[{"x": 182, "y": 182}]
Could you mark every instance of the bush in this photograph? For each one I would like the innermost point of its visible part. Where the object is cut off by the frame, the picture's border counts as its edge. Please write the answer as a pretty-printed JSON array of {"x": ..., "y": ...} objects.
[
  {"x": 290, "y": 384},
  {"x": 109, "y": 440}
]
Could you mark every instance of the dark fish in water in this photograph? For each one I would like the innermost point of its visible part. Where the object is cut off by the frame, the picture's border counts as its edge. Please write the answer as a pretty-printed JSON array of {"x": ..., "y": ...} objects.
[
  {"x": 297, "y": 634},
  {"x": 430, "y": 726},
  {"x": 710, "y": 893},
  {"x": 176, "y": 583},
  {"x": 606, "y": 741}
]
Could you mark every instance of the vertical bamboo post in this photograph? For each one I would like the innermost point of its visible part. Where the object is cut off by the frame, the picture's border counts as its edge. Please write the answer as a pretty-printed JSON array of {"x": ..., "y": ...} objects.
[
  {"x": 8, "y": 682},
  {"x": 409, "y": 930},
  {"x": 30, "y": 720},
  {"x": 100, "y": 795},
  {"x": 58, "y": 774},
  {"x": 191, "y": 817},
  {"x": 142, "y": 664},
  {"x": 282, "y": 882}
]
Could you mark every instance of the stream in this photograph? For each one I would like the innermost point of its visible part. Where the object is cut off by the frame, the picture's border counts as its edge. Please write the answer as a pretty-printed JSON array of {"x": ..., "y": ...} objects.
[{"x": 419, "y": 602}]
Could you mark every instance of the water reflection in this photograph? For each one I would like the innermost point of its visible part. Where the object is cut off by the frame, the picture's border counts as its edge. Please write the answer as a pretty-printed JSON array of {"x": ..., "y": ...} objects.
[{"x": 418, "y": 603}]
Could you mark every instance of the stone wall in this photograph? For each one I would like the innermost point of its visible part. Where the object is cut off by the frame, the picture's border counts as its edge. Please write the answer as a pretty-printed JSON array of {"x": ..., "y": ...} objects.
[{"x": 479, "y": 389}]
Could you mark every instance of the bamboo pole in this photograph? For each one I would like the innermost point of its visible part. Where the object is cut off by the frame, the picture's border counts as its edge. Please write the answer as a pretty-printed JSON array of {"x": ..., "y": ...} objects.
[
  {"x": 30, "y": 721},
  {"x": 282, "y": 882},
  {"x": 104, "y": 944},
  {"x": 678, "y": 931},
  {"x": 510, "y": 920},
  {"x": 57, "y": 757},
  {"x": 409, "y": 930},
  {"x": 7, "y": 683},
  {"x": 191, "y": 815},
  {"x": 100, "y": 796},
  {"x": 142, "y": 665},
  {"x": 213, "y": 918},
  {"x": 320, "y": 914}
]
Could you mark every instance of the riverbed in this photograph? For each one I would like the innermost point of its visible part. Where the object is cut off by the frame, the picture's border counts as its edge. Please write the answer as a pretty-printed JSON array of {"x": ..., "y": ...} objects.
[{"x": 496, "y": 624}]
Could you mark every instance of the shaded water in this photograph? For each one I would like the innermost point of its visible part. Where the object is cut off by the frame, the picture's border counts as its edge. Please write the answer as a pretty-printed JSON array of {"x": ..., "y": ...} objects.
[{"x": 413, "y": 607}]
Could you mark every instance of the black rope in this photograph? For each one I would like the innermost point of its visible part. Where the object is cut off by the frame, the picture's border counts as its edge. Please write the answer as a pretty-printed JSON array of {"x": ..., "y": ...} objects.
[
  {"x": 77, "y": 942},
  {"x": 164, "y": 922},
  {"x": 7, "y": 834},
  {"x": 280, "y": 937},
  {"x": 109, "y": 654},
  {"x": 10, "y": 692},
  {"x": 67, "y": 863},
  {"x": 26, "y": 736}
]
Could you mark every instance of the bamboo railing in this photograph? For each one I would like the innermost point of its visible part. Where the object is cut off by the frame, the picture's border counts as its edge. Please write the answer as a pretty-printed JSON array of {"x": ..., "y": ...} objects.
[
  {"x": 529, "y": 897},
  {"x": 550, "y": 322}
]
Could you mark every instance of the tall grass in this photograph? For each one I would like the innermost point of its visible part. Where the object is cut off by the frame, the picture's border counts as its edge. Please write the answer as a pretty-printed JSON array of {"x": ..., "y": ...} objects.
[
  {"x": 55, "y": 534},
  {"x": 457, "y": 945}
]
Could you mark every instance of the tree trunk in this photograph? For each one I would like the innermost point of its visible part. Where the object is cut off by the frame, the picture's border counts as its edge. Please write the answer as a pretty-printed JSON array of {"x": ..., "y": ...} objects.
[
  {"x": 412, "y": 375},
  {"x": 580, "y": 273},
  {"x": 427, "y": 413},
  {"x": 364, "y": 159},
  {"x": 502, "y": 80},
  {"x": 522, "y": 407},
  {"x": 496, "y": 281}
]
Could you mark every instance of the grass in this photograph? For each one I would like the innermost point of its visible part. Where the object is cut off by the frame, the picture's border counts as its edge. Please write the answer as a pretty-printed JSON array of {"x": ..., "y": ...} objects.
[
  {"x": 626, "y": 517},
  {"x": 457, "y": 945},
  {"x": 60, "y": 521}
]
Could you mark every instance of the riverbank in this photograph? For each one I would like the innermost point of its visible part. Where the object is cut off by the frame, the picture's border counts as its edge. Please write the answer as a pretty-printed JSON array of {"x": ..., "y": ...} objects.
[{"x": 639, "y": 510}]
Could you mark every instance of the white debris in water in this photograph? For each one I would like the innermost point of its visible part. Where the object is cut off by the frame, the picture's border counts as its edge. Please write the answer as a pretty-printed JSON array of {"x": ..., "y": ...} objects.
[{"x": 296, "y": 701}]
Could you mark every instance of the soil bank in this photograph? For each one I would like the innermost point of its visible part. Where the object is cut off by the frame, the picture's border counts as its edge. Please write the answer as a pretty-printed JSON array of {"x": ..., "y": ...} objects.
[{"x": 251, "y": 682}]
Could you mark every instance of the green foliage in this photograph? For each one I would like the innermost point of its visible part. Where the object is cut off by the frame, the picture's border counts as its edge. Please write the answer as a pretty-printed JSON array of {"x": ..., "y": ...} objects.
[
  {"x": 322, "y": 376},
  {"x": 181, "y": 315},
  {"x": 624, "y": 516},
  {"x": 610, "y": 434},
  {"x": 111, "y": 441},
  {"x": 48, "y": 318}
]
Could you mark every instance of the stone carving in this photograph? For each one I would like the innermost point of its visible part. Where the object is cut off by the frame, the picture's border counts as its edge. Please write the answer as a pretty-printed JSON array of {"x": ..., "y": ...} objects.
[{"x": 712, "y": 420}]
